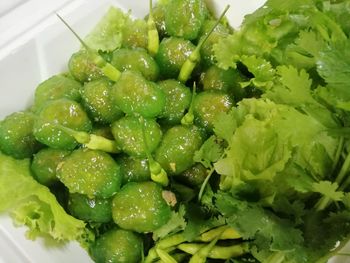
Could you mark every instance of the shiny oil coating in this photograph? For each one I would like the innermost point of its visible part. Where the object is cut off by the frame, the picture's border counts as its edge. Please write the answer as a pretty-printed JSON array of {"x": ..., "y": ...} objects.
[
  {"x": 96, "y": 99},
  {"x": 91, "y": 173},
  {"x": 64, "y": 112},
  {"x": 171, "y": 55},
  {"x": 177, "y": 101},
  {"x": 194, "y": 176},
  {"x": 136, "y": 60},
  {"x": 117, "y": 246},
  {"x": 134, "y": 169},
  {"x": 82, "y": 67},
  {"x": 57, "y": 87},
  {"x": 215, "y": 78},
  {"x": 16, "y": 135},
  {"x": 135, "y": 95},
  {"x": 135, "y": 34},
  {"x": 176, "y": 150},
  {"x": 96, "y": 210},
  {"x": 45, "y": 163},
  {"x": 207, "y": 52},
  {"x": 159, "y": 19},
  {"x": 139, "y": 206},
  {"x": 129, "y": 136},
  {"x": 184, "y": 18},
  {"x": 208, "y": 104}
]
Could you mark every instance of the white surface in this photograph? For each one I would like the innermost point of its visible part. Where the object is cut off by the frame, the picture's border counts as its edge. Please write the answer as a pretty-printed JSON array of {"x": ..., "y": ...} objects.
[{"x": 35, "y": 45}]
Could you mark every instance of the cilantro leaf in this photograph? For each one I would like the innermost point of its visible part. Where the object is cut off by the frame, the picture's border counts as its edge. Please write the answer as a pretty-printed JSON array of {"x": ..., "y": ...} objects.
[
  {"x": 175, "y": 224},
  {"x": 209, "y": 152},
  {"x": 254, "y": 222},
  {"x": 328, "y": 189},
  {"x": 225, "y": 125},
  {"x": 291, "y": 209},
  {"x": 199, "y": 221},
  {"x": 334, "y": 66},
  {"x": 293, "y": 87}
]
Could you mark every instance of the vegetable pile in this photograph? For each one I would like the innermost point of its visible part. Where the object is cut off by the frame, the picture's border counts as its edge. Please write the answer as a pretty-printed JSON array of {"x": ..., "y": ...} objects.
[{"x": 175, "y": 138}]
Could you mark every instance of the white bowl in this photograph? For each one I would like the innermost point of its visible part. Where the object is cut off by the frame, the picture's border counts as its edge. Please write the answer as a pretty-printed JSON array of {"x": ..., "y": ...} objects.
[{"x": 37, "y": 46}]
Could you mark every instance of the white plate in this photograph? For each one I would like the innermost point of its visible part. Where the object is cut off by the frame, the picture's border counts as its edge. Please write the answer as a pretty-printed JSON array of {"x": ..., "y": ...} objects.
[{"x": 34, "y": 45}]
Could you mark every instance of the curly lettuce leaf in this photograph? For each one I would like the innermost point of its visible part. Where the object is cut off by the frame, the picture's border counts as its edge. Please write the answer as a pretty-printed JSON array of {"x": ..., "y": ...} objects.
[
  {"x": 256, "y": 153},
  {"x": 107, "y": 34},
  {"x": 33, "y": 205},
  {"x": 270, "y": 136},
  {"x": 261, "y": 69}
]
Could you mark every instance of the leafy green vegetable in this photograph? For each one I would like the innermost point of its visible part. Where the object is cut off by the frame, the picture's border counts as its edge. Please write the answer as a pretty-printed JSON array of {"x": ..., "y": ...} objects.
[
  {"x": 328, "y": 189},
  {"x": 286, "y": 159},
  {"x": 210, "y": 152},
  {"x": 294, "y": 87},
  {"x": 334, "y": 67},
  {"x": 254, "y": 222},
  {"x": 107, "y": 34},
  {"x": 261, "y": 69},
  {"x": 269, "y": 136},
  {"x": 33, "y": 205},
  {"x": 175, "y": 224}
]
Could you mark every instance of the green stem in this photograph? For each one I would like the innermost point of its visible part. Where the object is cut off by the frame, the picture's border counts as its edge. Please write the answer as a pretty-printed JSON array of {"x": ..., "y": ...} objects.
[
  {"x": 204, "y": 184},
  {"x": 165, "y": 256},
  {"x": 226, "y": 231},
  {"x": 344, "y": 170},
  {"x": 179, "y": 257},
  {"x": 108, "y": 70},
  {"x": 325, "y": 201},
  {"x": 194, "y": 58},
  {"x": 158, "y": 174},
  {"x": 153, "y": 253},
  {"x": 91, "y": 141},
  {"x": 277, "y": 257},
  {"x": 217, "y": 252},
  {"x": 189, "y": 116},
  {"x": 101, "y": 143},
  {"x": 153, "y": 36},
  {"x": 168, "y": 244},
  {"x": 201, "y": 255},
  {"x": 171, "y": 241},
  {"x": 338, "y": 153},
  {"x": 345, "y": 184}
]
